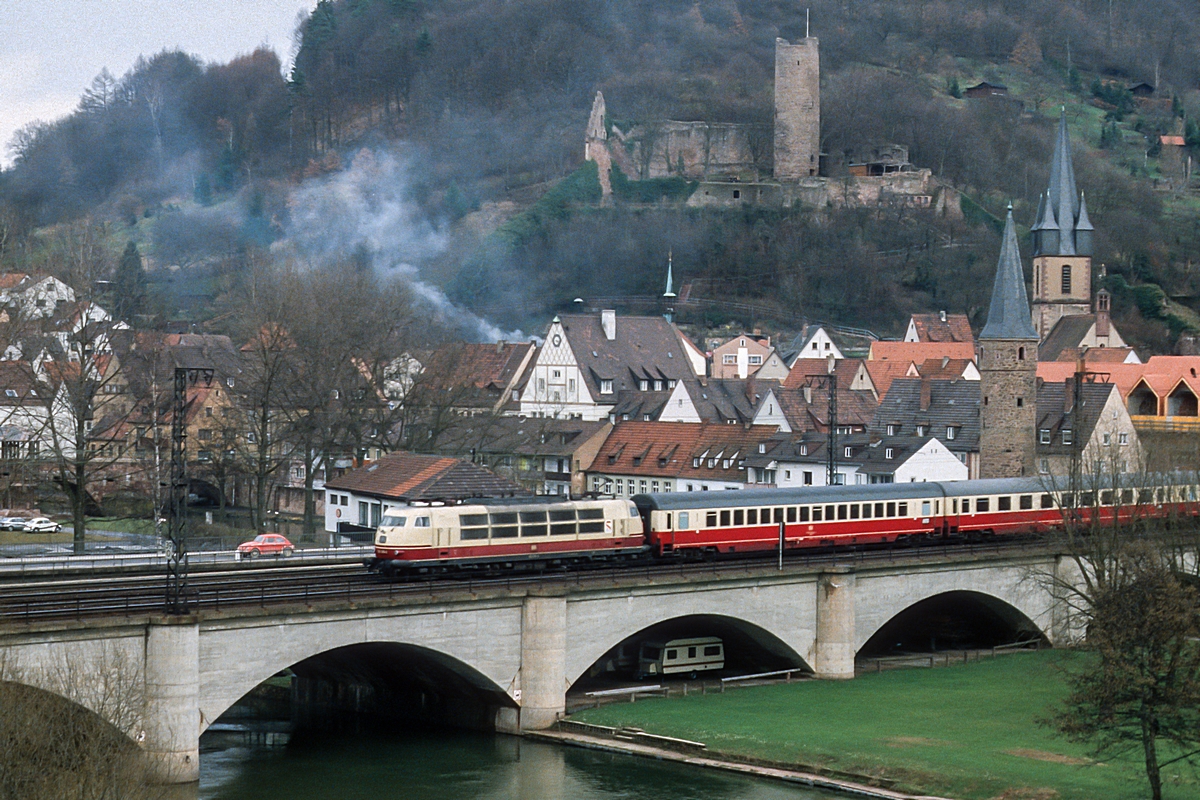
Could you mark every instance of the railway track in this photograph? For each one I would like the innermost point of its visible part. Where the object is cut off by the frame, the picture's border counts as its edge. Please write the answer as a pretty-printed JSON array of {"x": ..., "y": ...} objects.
[{"x": 32, "y": 601}]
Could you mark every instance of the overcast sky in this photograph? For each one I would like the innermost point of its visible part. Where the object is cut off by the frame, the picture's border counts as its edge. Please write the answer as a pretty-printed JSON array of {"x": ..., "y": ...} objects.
[{"x": 51, "y": 49}]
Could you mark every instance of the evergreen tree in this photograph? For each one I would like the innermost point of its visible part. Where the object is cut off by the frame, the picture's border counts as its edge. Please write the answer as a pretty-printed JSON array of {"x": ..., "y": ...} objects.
[{"x": 129, "y": 284}]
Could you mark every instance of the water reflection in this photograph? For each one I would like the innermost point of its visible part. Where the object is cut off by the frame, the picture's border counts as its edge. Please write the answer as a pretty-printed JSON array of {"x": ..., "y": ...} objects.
[{"x": 460, "y": 766}]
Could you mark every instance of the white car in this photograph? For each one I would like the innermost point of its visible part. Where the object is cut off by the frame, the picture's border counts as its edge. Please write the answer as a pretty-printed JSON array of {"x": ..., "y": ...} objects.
[{"x": 42, "y": 525}]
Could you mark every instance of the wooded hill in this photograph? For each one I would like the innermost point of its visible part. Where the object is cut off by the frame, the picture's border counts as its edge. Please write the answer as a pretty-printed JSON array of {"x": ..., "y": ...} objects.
[{"x": 490, "y": 99}]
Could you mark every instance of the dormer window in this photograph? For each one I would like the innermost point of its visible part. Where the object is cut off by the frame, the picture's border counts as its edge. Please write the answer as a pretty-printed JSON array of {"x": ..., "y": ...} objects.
[
  {"x": 803, "y": 449},
  {"x": 920, "y": 430},
  {"x": 606, "y": 386},
  {"x": 644, "y": 385},
  {"x": 950, "y": 431},
  {"x": 892, "y": 430},
  {"x": 670, "y": 384},
  {"x": 696, "y": 463},
  {"x": 10, "y": 392},
  {"x": 888, "y": 452},
  {"x": 849, "y": 452},
  {"x": 658, "y": 386},
  {"x": 1066, "y": 436},
  {"x": 762, "y": 447},
  {"x": 1044, "y": 436}
]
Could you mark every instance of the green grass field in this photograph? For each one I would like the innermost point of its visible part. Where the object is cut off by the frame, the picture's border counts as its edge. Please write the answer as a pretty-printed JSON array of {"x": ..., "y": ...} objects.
[{"x": 967, "y": 731}]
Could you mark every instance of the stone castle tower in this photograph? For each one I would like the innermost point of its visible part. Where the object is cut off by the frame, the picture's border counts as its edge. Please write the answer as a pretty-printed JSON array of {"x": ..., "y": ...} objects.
[
  {"x": 1008, "y": 371},
  {"x": 1062, "y": 244},
  {"x": 797, "y": 109}
]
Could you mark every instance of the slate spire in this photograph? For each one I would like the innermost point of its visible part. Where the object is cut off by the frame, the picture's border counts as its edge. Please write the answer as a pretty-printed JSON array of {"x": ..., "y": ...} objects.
[
  {"x": 1008, "y": 315},
  {"x": 1062, "y": 198}
]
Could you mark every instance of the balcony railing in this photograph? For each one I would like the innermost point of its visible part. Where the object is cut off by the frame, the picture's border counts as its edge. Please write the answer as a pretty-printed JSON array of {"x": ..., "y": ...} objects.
[{"x": 1154, "y": 424}]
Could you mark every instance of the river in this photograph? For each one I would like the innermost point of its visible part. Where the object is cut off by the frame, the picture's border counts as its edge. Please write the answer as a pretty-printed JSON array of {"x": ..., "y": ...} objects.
[{"x": 457, "y": 765}]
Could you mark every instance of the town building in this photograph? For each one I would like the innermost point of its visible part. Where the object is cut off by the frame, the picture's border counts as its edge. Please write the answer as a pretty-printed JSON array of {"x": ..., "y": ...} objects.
[
  {"x": 1085, "y": 423},
  {"x": 939, "y": 327},
  {"x": 748, "y": 355},
  {"x": 640, "y": 457},
  {"x": 861, "y": 458},
  {"x": 592, "y": 363},
  {"x": 948, "y": 410},
  {"x": 356, "y": 501}
]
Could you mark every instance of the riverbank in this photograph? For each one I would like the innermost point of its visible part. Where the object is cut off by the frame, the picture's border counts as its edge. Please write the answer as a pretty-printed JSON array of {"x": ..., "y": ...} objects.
[{"x": 968, "y": 731}]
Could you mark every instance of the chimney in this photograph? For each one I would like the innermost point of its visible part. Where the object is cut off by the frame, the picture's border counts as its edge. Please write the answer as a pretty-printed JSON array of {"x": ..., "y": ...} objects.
[
  {"x": 608, "y": 321},
  {"x": 926, "y": 394},
  {"x": 1068, "y": 394}
]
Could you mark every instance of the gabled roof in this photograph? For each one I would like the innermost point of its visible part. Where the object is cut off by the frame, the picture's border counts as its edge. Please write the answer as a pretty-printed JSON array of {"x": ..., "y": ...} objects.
[
  {"x": 1068, "y": 332},
  {"x": 946, "y": 369},
  {"x": 806, "y": 369},
  {"x": 11, "y": 280},
  {"x": 883, "y": 373},
  {"x": 408, "y": 477},
  {"x": 1161, "y": 374},
  {"x": 18, "y": 385},
  {"x": 669, "y": 449},
  {"x": 531, "y": 436},
  {"x": 1008, "y": 315},
  {"x": 933, "y": 328},
  {"x": 1080, "y": 418},
  {"x": 484, "y": 366},
  {"x": 854, "y": 407},
  {"x": 949, "y": 404},
  {"x": 727, "y": 400},
  {"x": 643, "y": 348}
]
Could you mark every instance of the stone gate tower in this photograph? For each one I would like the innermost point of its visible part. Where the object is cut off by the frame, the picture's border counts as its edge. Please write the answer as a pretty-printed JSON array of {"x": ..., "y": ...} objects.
[
  {"x": 797, "y": 109},
  {"x": 1008, "y": 371},
  {"x": 1062, "y": 244}
]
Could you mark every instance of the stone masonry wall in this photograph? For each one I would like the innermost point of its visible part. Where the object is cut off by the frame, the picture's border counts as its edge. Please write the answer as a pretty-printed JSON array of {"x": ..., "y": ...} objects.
[{"x": 797, "y": 109}]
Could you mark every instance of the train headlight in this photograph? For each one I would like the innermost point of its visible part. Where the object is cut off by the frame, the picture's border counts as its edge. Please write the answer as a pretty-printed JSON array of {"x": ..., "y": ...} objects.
[{"x": 383, "y": 538}]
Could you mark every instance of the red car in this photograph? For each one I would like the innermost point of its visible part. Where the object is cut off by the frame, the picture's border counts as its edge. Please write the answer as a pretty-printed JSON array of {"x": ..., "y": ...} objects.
[{"x": 266, "y": 544}]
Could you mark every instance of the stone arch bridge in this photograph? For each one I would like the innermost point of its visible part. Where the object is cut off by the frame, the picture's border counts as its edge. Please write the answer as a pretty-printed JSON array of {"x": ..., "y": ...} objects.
[{"x": 517, "y": 650}]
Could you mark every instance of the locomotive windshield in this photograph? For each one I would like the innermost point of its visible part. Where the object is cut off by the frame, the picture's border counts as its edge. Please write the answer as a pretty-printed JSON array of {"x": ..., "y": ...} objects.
[{"x": 392, "y": 521}]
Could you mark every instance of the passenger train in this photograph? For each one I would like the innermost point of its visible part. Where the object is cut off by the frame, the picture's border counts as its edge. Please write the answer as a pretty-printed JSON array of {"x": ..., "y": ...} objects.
[{"x": 543, "y": 533}]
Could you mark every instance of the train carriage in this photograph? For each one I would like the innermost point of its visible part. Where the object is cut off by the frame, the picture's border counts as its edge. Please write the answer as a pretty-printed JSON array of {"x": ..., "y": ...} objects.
[{"x": 416, "y": 539}]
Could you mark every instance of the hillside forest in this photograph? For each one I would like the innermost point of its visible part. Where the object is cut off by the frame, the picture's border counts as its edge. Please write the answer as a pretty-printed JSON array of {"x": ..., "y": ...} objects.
[{"x": 441, "y": 145}]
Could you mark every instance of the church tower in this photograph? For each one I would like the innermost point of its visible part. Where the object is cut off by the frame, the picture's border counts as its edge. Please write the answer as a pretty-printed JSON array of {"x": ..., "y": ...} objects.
[
  {"x": 1008, "y": 371},
  {"x": 1062, "y": 244},
  {"x": 797, "y": 109}
]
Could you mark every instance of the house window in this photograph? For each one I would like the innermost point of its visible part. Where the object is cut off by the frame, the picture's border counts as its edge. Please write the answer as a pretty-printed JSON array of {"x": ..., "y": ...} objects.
[
  {"x": 755, "y": 360},
  {"x": 787, "y": 474},
  {"x": 606, "y": 386},
  {"x": 644, "y": 385},
  {"x": 571, "y": 386},
  {"x": 208, "y": 411},
  {"x": 658, "y": 386},
  {"x": 670, "y": 383},
  {"x": 920, "y": 430},
  {"x": 762, "y": 447},
  {"x": 1044, "y": 436},
  {"x": 205, "y": 434},
  {"x": 888, "y": 452},
  {"x": 1066, "y": 279},
  {"x": 1107, "y": 439},
  {"x": 807, "y": 478},
  {"x": 1020, "y": 402},
  {"x": 729, "y": 358},
  {"x": 1122, "y": 438},
  {"x": 949, "y": 431},
  {"x": 849, "y": 452},
  {"x": 803, "y": 449},
  {"x": 10, "y": 392},
  {"x": 1066, "y": 436},
  {"x": 556, "y": 373},
  {"x": 891, "y": 430}
]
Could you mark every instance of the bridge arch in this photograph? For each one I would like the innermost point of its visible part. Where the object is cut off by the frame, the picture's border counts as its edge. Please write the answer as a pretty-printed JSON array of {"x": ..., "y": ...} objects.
[
  {"x": 480, "y": 651},
  {"x": 956, "y": 619},
  {"x": 772, "y": 616},
  {"x": 1012, "y": 592}
]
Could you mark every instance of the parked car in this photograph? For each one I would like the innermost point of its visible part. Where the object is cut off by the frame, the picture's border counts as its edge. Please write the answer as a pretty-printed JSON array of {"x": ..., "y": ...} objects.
[
  {"x": 266, "y": 544},
  {"x": 12, "y": 523},
  {"x": 41, "y": 525}
]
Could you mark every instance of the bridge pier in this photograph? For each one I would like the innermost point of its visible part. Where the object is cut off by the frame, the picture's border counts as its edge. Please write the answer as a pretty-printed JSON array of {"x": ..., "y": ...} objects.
[
  {"x": 172, "y": 716},
  {"x": 543, "y": 661},
  {"x": 834, "y": 646}
]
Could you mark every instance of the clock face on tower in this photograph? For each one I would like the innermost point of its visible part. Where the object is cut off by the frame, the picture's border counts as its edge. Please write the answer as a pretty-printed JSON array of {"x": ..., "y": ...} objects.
[{"x": 557, "y": 340}]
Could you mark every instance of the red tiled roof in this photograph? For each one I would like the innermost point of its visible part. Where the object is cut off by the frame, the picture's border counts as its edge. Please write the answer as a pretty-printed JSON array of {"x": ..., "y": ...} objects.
[
  {"x": 1161, "y": 374},
  {"x": 1175, "y": 141},
  {"x": 932, "y": 328},
  {"x": 667, "y": 449},
  {"x": 805, "y": 368},
  {"x": 479, "y": 365},
  {"x": 10, "y": 280},
  {"x": 883, "y": 373},
  {"x": 944, "y": 369},
  {"x": 920, "y": 352},
  {"x": 411, "y": 477}
]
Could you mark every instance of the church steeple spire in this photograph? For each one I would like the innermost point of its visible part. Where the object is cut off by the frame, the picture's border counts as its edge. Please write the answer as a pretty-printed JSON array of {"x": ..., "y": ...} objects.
[
  {"x": 669, "y": 294},
  {"x": 1008, "y": 314},
  {"x": 1062, "y": 199}
]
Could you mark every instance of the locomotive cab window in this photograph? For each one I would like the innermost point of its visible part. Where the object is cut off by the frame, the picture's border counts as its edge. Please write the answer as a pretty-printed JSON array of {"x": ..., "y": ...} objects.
[
  {"x": 392, "y": 521},
  {"x": 421, "y": 522}
]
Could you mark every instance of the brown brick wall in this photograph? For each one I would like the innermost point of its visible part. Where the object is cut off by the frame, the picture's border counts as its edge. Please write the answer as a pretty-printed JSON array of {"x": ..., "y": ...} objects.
[
  {"x": 1007, "y": 430},
  {"x": 797, "y": 109}
]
